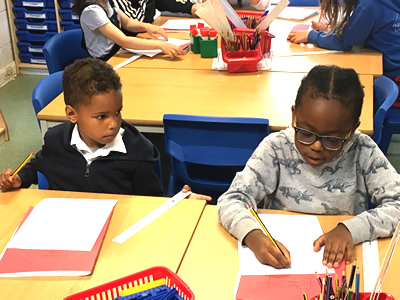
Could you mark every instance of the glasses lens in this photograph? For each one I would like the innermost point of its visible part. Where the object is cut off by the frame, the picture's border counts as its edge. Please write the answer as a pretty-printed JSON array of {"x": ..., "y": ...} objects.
[
  {"x": 331, "y": 143},
  {"x": 305, "y": 137}
]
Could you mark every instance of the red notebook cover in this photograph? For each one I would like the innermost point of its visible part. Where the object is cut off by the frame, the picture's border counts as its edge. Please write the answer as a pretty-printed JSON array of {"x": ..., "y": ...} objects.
[
  {"x": 24, "y": 263},
  {"x": 280, "y": 287}
]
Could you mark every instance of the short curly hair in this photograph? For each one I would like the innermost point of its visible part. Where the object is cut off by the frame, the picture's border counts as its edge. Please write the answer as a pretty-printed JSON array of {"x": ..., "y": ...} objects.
[{"x": 88, "y": 77}]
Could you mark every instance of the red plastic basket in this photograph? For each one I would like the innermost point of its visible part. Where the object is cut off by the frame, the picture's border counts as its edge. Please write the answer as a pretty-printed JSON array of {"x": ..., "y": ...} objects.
[
  {"x": 265, "y": 40},
  {"x": 110, "y": 290}
]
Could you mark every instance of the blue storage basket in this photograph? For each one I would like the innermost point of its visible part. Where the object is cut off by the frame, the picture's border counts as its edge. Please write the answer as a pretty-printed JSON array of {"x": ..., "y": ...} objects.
[
  {"x": 68, "y": 15},
  {"x": 34, "y": 13},
  {"x": 34, "y": 36},
  {"x": 32, "y": 58},
  {"x": 34, "y": 3},
  {"x": 36, "y": 24},
  {"x": 65, "y": 3},
  {"x": 69, "y": 25},
  {"x": 31, "y": 47}
]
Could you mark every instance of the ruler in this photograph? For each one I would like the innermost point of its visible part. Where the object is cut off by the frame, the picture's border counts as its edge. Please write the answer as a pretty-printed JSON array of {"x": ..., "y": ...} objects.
[
  {"x": 151, "y": 217},
  {"x": 370, "y": 264}
]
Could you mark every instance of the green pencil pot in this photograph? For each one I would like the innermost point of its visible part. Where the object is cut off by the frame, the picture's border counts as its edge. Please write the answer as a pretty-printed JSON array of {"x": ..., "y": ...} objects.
[
  {"x": 195, "y": 43},
  {"x": 208, "y": 48}
]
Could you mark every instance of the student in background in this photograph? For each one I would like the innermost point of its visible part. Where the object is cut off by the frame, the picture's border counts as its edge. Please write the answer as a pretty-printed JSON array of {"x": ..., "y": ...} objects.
[
  {"x": 102, "y": 22},
  {"x": 257, "y": 4},
  {"x": 96, "y": 151},
  {"x": 145, "y": 10},
  {"x": 374, "y": 24},
  {"x": 319, "y": 165}
]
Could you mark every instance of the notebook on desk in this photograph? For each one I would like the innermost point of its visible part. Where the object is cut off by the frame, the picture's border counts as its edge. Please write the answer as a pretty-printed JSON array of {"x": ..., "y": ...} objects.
[{"x": 20, "y": 261}]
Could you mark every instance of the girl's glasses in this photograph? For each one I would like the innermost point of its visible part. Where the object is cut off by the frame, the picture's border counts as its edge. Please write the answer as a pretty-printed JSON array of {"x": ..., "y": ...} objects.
[{"x": 307, "y": 137}]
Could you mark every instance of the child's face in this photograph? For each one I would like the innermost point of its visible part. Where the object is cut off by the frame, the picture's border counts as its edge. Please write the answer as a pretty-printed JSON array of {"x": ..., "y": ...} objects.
[
  {"x": 325, "y": 118},
  {"x": 98, "y": 122}
]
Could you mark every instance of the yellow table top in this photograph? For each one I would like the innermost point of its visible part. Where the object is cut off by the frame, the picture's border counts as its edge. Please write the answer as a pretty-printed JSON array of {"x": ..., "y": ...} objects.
[
  {"x": 161, "y": 243},
  {"x": 211, "y": 263}
]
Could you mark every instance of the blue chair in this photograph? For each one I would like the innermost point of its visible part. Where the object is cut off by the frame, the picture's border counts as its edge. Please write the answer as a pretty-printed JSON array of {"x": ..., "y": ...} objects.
[
  {"x": 46, "y": 90},
  {"x": 304, "y": 3},
  {"x": 206, "y": 152},
  {"x": 62, "y": 49},
  {"x": 385, "y": 93},
  {"x": 43, "y": 184}
]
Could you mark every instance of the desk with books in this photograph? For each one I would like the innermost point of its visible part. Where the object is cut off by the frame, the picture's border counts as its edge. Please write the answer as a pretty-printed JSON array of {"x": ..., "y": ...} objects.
[
  {"x": 163, "y": 242},
  {"x": 213, "y": 276}
]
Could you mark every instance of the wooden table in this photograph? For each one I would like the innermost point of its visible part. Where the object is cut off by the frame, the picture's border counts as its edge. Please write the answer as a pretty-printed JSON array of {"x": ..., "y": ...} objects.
[
  {"x": 163, "y": 242},
  {"x": 211, "y": 264},
  {"x": 155, "y": 86}
]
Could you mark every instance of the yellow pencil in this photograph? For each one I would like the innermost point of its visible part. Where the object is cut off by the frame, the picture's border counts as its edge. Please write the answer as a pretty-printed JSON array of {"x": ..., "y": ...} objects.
[
  {"x": 265, "y": 229},
  {"x": 22, "y": 164}
]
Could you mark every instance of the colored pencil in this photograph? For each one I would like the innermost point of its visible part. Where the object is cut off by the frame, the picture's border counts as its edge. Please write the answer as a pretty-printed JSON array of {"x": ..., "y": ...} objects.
[{"x": 22, "y": 164}]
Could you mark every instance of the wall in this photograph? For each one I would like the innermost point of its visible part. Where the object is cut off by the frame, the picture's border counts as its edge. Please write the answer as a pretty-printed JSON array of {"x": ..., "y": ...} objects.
[{"x": 7, "y": 63}]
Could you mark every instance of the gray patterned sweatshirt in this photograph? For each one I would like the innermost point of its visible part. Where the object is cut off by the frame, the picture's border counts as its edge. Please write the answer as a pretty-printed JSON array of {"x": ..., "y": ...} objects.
[{"x": 277, "y": 174}]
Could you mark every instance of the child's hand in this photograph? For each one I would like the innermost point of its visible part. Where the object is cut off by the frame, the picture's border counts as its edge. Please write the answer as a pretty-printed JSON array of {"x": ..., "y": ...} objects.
[
  {"x": 319, "y": 26},
  {"x": 170, "y": 49},
  {"x": 154, "y": 31},
  {"x": 338, "y": 246},
  {"x": 8, "y": 182},
  {"x": 194, "y": 195},
  {"x": 298, "y": 36},
  {"x": 265, "y": 251}
]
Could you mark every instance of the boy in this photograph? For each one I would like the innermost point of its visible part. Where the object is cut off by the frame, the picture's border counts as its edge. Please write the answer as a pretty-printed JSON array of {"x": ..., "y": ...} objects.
[
  {"x": 320, "y": 165},
  {"x": 96, "y": 151}
]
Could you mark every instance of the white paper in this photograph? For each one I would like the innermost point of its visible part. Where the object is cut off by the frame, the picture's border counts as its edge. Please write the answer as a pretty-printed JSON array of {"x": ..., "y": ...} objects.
[
  {"x": 63, "y": 224},
  {"x": 181, "y": 24},
  {"x": 297, "y": 13},
  {"x": 297, "y": 233},
  {"x": 151, "y": 53}
]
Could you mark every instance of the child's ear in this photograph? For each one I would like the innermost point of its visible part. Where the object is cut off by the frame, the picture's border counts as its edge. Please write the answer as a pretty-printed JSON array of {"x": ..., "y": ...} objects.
[
  {"x": 293, "y": 115},
  {"x": 71, "y": 114},
  {"x": 354, "y": 129}
]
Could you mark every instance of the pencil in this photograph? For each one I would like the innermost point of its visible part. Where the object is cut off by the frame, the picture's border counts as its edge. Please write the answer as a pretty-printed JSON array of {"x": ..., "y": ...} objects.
[
  {"x": 265, "y": 229},
  {"x": 22, "y": 164}
]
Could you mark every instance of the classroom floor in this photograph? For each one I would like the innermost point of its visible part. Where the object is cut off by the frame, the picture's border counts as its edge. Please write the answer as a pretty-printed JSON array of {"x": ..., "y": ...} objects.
[{"x": 25, "y": 136}]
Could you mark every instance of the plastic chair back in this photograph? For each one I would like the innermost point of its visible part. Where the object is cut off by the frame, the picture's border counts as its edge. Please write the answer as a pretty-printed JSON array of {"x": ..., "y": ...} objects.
[
  {"x": 206, "y": 152},
  {"x": 62, "y": 49},
  {"x": 43, "y": 184},
  {"x": 46, "y": 90},
  {"x": 385, "y": 93},
  {"x": 304, "y": 3}
]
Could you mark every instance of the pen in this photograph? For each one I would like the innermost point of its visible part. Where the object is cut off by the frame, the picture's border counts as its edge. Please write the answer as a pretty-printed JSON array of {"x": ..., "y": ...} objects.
[
  {"x": 353, "y": 269},
  {"x": 357, "y": 289},
  {"x": 22, "y": 164},
  {"x": 265, "y": 229}
]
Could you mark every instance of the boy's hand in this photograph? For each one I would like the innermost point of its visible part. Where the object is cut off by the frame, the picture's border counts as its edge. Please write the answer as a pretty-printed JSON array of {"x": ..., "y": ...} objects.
[
  {"x": 265, "y": 251},
  {"x": 194, "y": 195},
  {"x": 154, "y": 31},
  {"x": 298, "y": 37},
  {"x": 170, "y": 49},
  {"x": 8, "y": 182},
  {"x": 338, "y": 246}
]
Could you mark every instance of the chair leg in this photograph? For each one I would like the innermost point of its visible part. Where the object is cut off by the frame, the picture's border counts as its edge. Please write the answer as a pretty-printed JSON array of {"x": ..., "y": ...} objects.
[{"x": 386, "y": 138}]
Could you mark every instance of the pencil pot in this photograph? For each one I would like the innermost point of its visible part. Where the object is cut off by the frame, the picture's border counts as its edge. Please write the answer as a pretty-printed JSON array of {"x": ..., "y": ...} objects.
[
  {"x": 208, "y": 48},
  {"x": 366, "y": 296},
  {"x": 241, "y": 60},
  {"x": 264, "y": 37},
  {"x": 195, "y": 43}
]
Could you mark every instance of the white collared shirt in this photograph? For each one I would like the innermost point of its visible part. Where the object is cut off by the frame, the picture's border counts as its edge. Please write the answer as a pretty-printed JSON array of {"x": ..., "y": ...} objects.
[{"x": 90, "y": 154}]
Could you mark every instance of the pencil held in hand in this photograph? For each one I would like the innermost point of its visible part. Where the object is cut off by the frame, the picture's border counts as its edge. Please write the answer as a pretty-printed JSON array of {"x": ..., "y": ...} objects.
[
  {"x": 22, "y": 164},
  {"x": 265, "y": 229}
]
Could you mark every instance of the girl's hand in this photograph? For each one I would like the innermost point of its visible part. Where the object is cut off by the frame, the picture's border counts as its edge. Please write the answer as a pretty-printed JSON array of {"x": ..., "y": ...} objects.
[
  {"x": 265, "y": 250},
  {"x": 319, "y": 26},
  {"x": 194, "y": 195},
  {"x": 8, "y": 182},
  {"x": 298, "y": 36},
  {"x": 154, "y": 31},
  {"x": 338, "y": 246},
  {"x": 170, "y": 49}
]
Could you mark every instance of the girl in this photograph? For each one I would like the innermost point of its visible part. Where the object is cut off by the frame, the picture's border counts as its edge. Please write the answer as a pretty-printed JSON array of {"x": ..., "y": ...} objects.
[
  {"x": 319, "y": 165},
  {"x": 372, "y": 23},
  {"x": 101, "y": 22}
]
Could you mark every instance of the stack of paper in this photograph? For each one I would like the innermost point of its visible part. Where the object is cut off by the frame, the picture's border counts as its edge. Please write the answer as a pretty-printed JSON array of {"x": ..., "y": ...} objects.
[
  {"x": 58, "y": 237},
  {"x": 297, "y": 232}
]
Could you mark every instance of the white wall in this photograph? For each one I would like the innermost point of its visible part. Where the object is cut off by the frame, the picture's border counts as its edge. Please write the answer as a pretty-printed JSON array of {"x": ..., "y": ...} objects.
[{"x": 7, "y": 63}]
